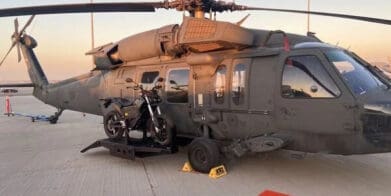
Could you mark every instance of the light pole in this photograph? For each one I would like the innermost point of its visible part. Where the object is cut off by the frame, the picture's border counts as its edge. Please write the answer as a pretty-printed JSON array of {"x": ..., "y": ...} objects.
[
  {"x": 92, "y": 40},
  {"x": 92, "y": 30}
]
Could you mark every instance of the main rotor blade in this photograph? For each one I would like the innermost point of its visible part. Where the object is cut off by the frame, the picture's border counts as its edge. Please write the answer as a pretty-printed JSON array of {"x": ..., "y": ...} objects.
[
  {"x": 12, "y": 46},
  {"x": 18, "y": 49},
  {"x": 82, "y": 8},
  {"x": 361, "y": 18},
  {"x": 26, "y": 25},
  {"x": 16, "y": 25}
]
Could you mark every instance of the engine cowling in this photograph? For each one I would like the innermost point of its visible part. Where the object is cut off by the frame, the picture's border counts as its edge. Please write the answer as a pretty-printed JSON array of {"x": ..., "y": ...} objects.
[
  {"x": 106, "y": 57},
  {"x": 195, "y": 35}
]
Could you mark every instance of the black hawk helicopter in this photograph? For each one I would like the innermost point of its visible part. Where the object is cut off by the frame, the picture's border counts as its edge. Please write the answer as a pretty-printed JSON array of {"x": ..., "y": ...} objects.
[{"x": 231, "y": 89}]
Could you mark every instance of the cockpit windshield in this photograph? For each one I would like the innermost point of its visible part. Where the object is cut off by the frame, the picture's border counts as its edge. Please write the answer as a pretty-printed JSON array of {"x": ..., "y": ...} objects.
[{"x": 356, "y": 75}]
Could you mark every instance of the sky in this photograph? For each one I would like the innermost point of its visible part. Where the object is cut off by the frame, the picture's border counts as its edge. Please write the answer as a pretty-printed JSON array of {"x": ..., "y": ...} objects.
[{"x": 63, "y": 39}]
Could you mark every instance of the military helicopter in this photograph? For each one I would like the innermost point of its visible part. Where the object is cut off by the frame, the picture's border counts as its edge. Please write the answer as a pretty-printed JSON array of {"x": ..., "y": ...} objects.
[{"x": 230, "y": 89}]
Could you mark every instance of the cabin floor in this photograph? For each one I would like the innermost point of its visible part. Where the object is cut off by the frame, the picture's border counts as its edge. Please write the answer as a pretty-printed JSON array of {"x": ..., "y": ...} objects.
[{"x": 43, "y": 159}]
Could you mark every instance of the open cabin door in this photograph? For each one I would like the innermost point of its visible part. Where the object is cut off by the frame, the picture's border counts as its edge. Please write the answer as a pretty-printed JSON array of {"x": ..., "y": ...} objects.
[
  {"x": 200, "y": 94},
  {"x": 177, "y": 92}
]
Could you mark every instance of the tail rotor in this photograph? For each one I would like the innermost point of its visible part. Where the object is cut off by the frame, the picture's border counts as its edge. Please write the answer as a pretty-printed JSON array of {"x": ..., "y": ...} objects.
[
  {"x": 16, "y": 38},
  {"x": 16, "y": 24}
]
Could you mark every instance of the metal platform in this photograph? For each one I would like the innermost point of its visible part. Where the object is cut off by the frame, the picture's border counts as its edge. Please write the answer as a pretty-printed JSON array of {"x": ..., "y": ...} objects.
[{"x": 130, "y": 150}]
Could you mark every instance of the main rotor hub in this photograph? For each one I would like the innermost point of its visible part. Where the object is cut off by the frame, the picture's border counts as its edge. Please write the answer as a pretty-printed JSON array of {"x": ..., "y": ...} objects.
[{"x": 197, "y": 8}]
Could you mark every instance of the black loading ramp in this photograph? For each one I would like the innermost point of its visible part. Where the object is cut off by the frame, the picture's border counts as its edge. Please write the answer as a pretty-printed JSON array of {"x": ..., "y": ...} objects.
[{"x": 130, "y": 150}]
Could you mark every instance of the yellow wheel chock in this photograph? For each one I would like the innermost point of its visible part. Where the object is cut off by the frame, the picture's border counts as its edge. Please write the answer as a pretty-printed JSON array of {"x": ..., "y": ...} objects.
[
  {"x": 217, "y": 172},
  {"x": 187, "y": 167}
]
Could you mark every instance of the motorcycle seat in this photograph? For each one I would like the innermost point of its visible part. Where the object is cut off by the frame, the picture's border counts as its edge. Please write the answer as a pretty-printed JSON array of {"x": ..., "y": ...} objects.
[{"x": 126, "y": 102}]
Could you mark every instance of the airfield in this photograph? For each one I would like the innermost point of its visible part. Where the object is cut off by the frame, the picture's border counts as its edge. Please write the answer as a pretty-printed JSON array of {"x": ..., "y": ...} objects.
[{"x": 43, "y": 159}]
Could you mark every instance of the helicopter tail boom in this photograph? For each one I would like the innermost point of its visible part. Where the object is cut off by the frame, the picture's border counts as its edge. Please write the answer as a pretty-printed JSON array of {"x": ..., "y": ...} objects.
[
  {"x": 35, "y": 71},
  {"x": 36, "y": 74}
]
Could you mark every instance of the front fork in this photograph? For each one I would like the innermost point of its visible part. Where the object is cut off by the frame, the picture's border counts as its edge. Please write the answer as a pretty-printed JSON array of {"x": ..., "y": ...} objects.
[
  {"x": 152, "y": 114},
  {"x": 122, "y": 120}
]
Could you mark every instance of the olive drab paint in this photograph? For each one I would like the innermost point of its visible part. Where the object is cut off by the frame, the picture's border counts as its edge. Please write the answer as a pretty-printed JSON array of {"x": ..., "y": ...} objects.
[{"x": 268, "y": 89}]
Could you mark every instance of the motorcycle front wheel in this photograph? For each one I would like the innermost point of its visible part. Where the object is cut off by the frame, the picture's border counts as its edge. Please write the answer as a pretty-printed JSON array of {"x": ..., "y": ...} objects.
[{"x": 165, "y": 135}]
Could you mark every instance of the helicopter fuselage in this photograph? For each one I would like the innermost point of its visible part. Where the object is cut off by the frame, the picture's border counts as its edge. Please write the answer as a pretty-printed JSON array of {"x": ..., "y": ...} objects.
[{"x": 306, "y": 93}]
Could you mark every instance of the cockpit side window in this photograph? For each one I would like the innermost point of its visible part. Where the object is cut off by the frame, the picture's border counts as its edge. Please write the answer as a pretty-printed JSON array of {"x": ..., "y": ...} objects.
[{"x": 305, "y": 77}]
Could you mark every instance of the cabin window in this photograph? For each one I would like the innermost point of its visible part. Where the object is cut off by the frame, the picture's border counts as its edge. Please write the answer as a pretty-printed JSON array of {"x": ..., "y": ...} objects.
[
  {"x": 177, "y": 87},
  {"x": 148, "y": 79},
  {"x": 239, "y": 84},
  {"x": 220, "y": 83},
  {"x": 305, "y": 77}
]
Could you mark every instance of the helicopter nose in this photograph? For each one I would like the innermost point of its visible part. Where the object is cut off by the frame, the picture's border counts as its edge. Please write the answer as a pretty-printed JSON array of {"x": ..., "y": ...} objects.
[{"x": 377, "y": 124}]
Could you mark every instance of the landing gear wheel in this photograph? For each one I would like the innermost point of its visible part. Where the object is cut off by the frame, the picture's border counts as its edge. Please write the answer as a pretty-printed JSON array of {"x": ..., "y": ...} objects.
[
  {"x": 165, "y": 135},
  {"x": 53, "y": 120},
  {"x": 112, "y": 125},
  {"x": 204, "y": 154}
]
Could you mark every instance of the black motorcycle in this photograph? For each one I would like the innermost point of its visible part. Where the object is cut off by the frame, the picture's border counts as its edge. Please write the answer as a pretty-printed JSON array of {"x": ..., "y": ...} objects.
[{"x": 143, "y": 115}]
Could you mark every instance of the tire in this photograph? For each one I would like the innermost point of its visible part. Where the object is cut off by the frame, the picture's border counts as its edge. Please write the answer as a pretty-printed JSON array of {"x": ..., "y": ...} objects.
[
  {"x": 110, "y": 120},
  {"x": 53, "y": 120},
  {"x": 204, "y": 154},
  {"x": 165, "y": 136}
]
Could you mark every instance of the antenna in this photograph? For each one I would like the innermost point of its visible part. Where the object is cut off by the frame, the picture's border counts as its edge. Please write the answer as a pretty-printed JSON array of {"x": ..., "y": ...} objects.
[
  {"x": 243, "y": 20},
  {"x": 92, "y": 33},
  {"x": 308, "y": 16}
]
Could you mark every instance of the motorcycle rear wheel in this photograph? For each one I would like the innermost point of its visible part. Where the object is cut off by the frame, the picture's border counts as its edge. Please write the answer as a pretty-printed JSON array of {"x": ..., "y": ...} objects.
[{"x": 111, "y": 123}]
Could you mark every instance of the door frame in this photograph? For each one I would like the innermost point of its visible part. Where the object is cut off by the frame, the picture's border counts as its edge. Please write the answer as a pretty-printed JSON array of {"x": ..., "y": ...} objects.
[{"x": 346, "y": 98}]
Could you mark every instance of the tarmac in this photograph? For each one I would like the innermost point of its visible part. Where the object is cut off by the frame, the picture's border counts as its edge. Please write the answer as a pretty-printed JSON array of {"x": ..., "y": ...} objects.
[{"x": 43, "y": 159}]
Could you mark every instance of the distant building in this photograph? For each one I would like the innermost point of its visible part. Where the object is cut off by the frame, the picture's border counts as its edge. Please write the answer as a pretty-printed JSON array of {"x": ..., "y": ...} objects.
[{"x": 8, "y": 90}]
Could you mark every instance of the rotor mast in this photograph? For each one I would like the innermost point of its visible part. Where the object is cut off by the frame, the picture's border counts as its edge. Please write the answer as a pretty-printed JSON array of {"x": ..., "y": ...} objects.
[
  {"x": 198, "y": 13},
  {"x": 198, "y": 8}
]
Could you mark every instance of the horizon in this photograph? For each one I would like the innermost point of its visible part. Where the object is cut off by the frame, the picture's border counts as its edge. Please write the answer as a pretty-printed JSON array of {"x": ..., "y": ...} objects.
[{"x": 62, "y": 42}]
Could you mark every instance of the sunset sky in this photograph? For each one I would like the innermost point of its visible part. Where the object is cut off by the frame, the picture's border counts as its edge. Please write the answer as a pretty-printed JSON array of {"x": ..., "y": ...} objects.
[{"x": 63, "y": 39}]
